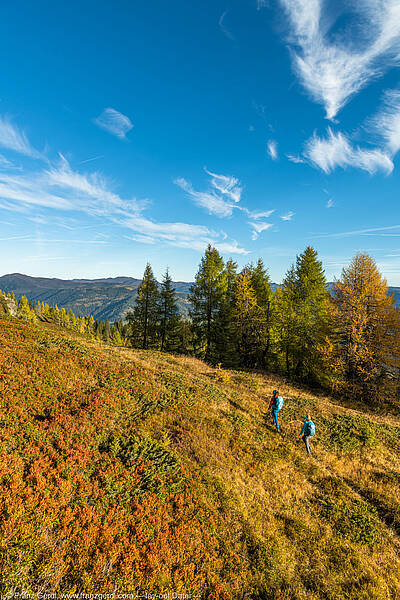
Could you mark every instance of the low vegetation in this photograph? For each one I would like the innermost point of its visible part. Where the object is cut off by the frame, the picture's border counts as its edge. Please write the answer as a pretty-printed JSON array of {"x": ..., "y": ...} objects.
[{"x": 139, "y": 471}]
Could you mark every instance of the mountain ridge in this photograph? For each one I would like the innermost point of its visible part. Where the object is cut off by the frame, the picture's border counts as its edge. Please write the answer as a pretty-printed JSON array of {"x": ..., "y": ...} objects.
[{"x": 105, "y": 298}]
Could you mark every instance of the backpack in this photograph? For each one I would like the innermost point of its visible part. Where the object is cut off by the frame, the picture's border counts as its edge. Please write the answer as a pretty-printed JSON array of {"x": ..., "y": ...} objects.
[
  {"x": 309, "y": 430},
  {"x": 278, "y": 403}
]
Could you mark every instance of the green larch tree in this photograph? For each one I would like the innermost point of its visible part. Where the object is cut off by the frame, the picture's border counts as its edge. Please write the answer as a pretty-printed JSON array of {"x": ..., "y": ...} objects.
[
  {"x": 25, "y": 311},
  {"x": 144, "y": 319},
  {"x": 261, "y": 284},
  {"x": 303, "y": 317},
  {"x": 206, "y": 297},
  {"x": 248, "y": 319},
  {"x": 169, "y": 316},
  {"x": 226, "y": 347}
]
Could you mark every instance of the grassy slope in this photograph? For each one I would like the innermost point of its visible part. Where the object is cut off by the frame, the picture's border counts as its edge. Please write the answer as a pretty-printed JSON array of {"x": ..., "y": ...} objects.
[{"x": 129, "y": 470}]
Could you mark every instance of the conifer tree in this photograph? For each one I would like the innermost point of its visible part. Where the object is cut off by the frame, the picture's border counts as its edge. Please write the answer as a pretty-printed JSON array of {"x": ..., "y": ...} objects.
[
  {"x": 261, "y": 284},
  {"x": 226, "y": 344},
  {"x": 99, "y": 331},
  {"x": 116, "y": 337},
  {"x": 56, "y": 314},
  {"x": 53, "y": 314},
  {"x": 169, "y": 317},
  {"x": 249, "y": 320},
  {"x": 303, "y": 316},
  {"x": 185, "y": 345},
  {"x": 107, "y": 331},
  {"x": 71, "y": 318},
  {"x": 25, "y": 311},
  {"x": 63, "y": 317},
  {"x": 91, "y": 323},
  {"x": 144, "y": 319},
  {"x": 364, "y": 355},
  {"x": 206, "y": 298},
  {"x": 285, "y": 318},
  {"x": 80, "y": 323}
]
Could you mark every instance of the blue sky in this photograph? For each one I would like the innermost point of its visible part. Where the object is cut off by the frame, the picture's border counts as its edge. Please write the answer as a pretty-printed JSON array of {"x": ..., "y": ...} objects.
[{"x": 134, "y": 132}]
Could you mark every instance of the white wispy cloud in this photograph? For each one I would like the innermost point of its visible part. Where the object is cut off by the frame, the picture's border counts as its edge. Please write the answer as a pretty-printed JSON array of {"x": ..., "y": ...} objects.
[
  {"x": 82, "y": 162},
  {"x": 272, "y": 148},
  {"x": 12, "y": 138},
  {"x": 14, "y": 237},
  {"x": 220, "y": 199},
  {"x": 61, "y": 188},
  {"x": 223, "y": 27},
  {"x": 28, "y": 190},
  {"x": 260, "y": 214},
  {"x": 6, "y": 164},
  {"x": 142, "y": 239},
  {"x": 386, "y": 123},
  {"x": 262, "y": 4},
  {"x": 227, "y": 185},
  {"x": 257, "y": 223},
  {"x": 288, "y": 217},
  {"x": 91, "y": 188},
  {"x": 330, "y": 203},
  {"x": 295, "y": 159},
  {"x": 114, "y": 122},
  {"x": 182, "y": 235},
  {"x": 334, "y": 68},
  {"x": 128, "y": 213},
  {"x": 258, "y": 227},
  {"x": 66, "y": 241},
  {"x": 230, "y": 248},
  {"x": 370, "y": 231},
  {"x": 336, "y": 151},
  {"x": 210, "y": 201}
]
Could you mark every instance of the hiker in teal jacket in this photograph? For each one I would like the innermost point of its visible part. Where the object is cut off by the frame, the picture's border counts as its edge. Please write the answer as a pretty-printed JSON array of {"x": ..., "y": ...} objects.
[
  {"x": 276, "y": 407},
  {"x": 307, "y": 431}
]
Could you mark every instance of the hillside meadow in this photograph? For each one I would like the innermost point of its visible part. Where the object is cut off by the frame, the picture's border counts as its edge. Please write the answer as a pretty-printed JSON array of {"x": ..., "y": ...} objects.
[{"x": 135, "y": 471}]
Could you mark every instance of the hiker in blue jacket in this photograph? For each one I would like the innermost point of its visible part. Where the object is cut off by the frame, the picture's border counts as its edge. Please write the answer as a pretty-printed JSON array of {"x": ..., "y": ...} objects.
[
  {"x": 276, "y": 407},
  {"x": 307, "y": 431}
]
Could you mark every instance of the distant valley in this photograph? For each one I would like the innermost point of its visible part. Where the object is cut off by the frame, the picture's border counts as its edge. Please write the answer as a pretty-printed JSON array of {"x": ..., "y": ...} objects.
[{"x": 109, "y": 298}]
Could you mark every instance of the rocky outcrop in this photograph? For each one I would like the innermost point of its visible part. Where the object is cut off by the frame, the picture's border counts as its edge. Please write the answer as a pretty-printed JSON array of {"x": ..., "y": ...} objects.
[{"x": 8, "y": 305}]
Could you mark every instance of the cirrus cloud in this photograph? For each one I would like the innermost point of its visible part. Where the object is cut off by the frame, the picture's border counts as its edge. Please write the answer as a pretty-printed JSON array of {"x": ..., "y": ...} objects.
[
  {"x": 13, "y": 138},
  {"x": 114, "y": 122},
  {"x": 333, "y": 70},
  {"x": 272, "y": 149},
  {"x": 335, "y": 150},
  {"x": 220, "y": 199}
]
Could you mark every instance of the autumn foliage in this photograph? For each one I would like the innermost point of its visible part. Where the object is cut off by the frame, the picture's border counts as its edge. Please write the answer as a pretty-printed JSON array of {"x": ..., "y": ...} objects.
[
  {"x": 87, "y": 501},
  {"x": 139, "y": 471},
  {"x": 363, "y": 350}
]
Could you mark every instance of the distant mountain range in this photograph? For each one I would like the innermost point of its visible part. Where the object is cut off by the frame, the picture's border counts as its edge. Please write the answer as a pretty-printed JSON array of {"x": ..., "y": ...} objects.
[{"x": 109, "y": 298}]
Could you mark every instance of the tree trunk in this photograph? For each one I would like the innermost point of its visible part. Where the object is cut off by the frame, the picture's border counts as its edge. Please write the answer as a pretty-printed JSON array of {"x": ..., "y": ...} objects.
[
  {"x": 208, "y": 341},
  {"x": 287, "y": 360},
  {"x": 146, "y": 317},
  {"x": 266, "y": 349},
  {"x": 164, "y": 327}
]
